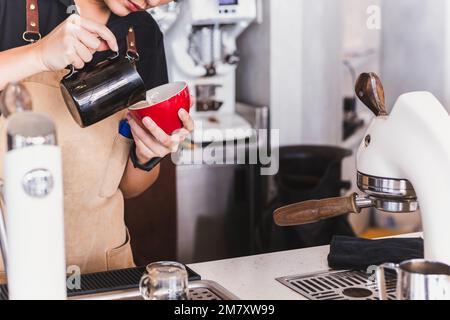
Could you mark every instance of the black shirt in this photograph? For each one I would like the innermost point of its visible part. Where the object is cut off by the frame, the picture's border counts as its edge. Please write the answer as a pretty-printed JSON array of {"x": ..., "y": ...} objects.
[{"x": 149, "y": 39}]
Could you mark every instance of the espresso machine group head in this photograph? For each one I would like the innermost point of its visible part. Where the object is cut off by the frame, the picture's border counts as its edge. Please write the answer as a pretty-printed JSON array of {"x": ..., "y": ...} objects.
[
  {"x": 406, "y": 156},
  {"x": 403, "y": 161},
  {"x": 388, "y": 193}
]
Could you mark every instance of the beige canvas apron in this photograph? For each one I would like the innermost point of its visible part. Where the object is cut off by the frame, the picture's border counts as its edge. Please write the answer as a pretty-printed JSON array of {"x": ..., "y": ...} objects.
[{"x": 94, "y": 160}]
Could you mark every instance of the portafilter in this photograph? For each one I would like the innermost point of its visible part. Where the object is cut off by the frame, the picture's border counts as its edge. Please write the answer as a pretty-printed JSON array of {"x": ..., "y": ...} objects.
[{"x": 385, "y": 194}]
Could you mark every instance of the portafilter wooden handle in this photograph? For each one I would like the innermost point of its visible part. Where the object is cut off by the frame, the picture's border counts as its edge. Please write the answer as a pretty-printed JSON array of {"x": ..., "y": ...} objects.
[{"x": 315, "y": 210}]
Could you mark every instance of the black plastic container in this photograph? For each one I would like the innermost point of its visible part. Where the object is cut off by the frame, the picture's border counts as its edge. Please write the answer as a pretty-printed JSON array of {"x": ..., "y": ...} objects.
[
  {"x": 310, "y": 172},
  {"x": 307, "y": 173}
]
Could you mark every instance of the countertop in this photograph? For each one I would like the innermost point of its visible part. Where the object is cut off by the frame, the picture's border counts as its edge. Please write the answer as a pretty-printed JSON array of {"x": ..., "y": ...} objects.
[{"x": 253, "y": 277}]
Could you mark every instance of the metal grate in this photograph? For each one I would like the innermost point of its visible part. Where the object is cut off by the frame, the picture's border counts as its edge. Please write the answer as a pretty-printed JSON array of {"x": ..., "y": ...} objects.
[
  {"x": 339, "y": 285},
  {"x": 207, "y": 290},
  {"x": 198, "y": 291},
  {"x": 200, "y": 294}
]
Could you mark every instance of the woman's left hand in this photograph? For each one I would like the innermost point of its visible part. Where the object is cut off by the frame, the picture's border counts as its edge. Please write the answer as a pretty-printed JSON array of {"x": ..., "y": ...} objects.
[{"x": 153, "y": 142}]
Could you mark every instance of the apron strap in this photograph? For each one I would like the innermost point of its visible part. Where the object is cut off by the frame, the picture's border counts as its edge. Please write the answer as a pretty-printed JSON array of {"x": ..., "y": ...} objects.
[
  {"x": 32, "y": 33},
  {"x": 132, "y": 52}
]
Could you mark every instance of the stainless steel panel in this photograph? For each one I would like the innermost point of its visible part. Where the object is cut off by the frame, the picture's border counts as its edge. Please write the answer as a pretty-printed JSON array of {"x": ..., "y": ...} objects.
[
  {"x": 213, "y": 219},
  {"x": 205, "y": 198}
]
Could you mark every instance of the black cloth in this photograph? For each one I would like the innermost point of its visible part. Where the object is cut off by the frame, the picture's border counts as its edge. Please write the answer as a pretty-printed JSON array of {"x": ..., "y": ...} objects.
[
  {"x": 150, "y": 42},
  {"x": 358, "y": 254}
]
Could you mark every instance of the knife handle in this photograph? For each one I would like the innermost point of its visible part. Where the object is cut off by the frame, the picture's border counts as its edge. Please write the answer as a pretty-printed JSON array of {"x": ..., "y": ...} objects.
[{"x": 315, "y": 210}]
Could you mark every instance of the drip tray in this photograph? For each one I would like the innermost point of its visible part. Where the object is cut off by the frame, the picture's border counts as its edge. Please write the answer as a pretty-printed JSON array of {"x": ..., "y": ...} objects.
[
  {"x": 201, "y": 290},
  {"x": 339, "y": 285}
]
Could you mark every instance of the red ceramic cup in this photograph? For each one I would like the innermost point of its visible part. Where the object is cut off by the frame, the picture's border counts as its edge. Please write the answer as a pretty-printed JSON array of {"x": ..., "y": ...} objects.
[{"x": 163, "y": 104}]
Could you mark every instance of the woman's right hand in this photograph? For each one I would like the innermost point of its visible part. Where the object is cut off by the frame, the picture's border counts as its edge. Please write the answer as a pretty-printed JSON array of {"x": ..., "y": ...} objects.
[{"x": 73, "y": 42}]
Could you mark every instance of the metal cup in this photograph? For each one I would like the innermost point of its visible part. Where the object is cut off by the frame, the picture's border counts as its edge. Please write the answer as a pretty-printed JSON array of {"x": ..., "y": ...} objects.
[
  {"x": 111, "y": 86},
  {"x": 417, "y": 280}
]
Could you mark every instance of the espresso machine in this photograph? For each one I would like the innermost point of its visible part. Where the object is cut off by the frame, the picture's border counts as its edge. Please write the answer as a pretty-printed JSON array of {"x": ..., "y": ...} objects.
[
  {"x": 403, "y": 161},
  {"x": 32, "y": 213},
  {"x": 201, "y": 50}
]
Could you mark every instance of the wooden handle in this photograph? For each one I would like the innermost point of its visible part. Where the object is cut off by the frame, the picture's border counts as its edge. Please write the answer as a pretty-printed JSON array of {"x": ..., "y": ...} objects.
[
  {"x": 370, "y": 91},
  {"x": 315, "y": 210}
]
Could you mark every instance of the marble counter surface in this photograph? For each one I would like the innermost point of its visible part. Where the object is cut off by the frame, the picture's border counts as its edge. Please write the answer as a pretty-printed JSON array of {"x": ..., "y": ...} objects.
[{"x": 253, "y": 277}]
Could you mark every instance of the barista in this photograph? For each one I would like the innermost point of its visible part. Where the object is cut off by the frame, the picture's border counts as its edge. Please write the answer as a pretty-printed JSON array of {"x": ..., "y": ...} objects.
[{"x": 98, "y": 171}]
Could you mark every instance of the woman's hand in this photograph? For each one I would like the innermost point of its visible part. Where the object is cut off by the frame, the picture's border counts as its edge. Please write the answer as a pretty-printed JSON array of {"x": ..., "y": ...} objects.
[
  {"x": 73, "y": 42},
  {"x": 153, "y": 142}
]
